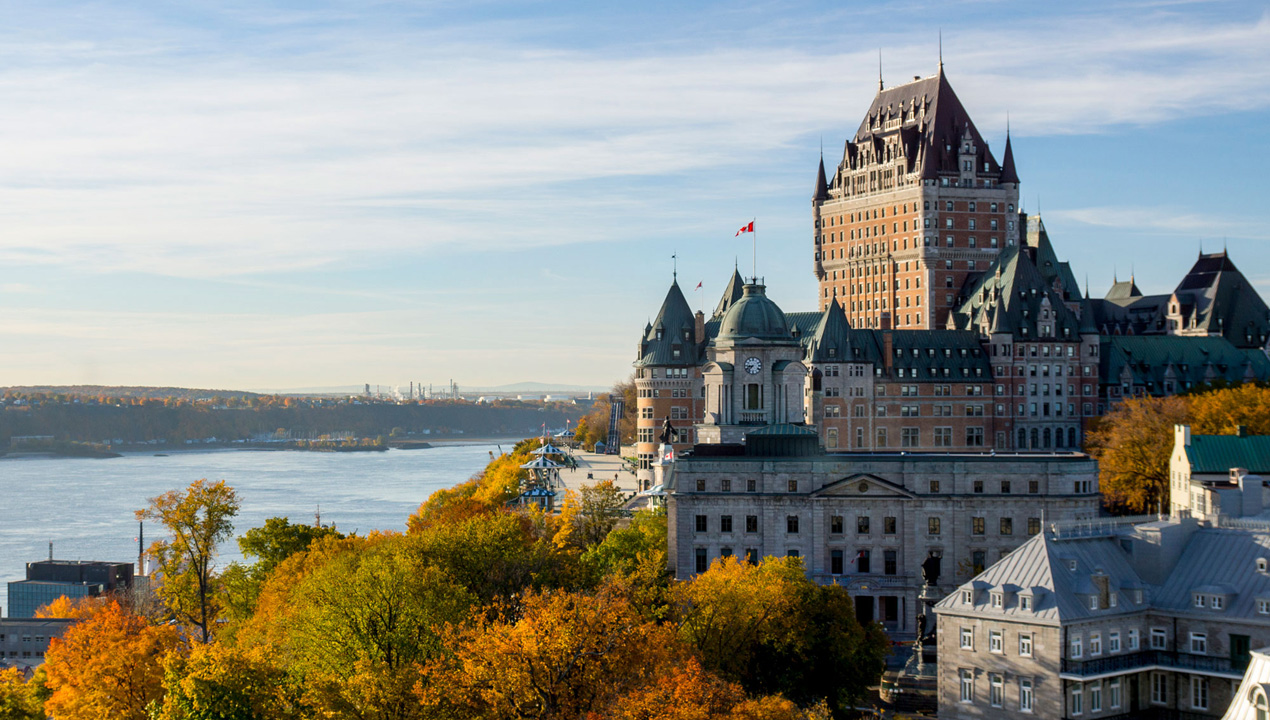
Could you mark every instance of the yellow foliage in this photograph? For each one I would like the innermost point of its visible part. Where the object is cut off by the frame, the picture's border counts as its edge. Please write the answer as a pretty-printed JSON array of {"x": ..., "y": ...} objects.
[
  {"x": 19, "y": 698},
  {"x": 65, "y": 607}
]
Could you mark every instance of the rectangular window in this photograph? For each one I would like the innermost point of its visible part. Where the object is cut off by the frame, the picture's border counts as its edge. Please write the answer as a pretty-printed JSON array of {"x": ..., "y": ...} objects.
[
  {"x": 703, "y": 562},
  {"x": 791, "y": 524},
  {"x": 967, "y": 639},
  {"x": 793, "y": 486},
  {"x": 1025, "y": 695},
  {"x": 751, "y": 523},
  {"x": 1007, "y": 526},
  {"x": 1159, "y": 639},
  {"x": 835, "y": 525},
  {"x": 1076, "y": 649},
  {"x": 1159, "y": 688},
  {"x": 1077, "y": 703},
  {"x": 888, "y": 526},
  {"x": 889, "y": 564},
  {"x": 725, "y": 523},
  {"x": 976, "y": 526},
  {"x": 751, "y": 485},
  {"x": 862, "y": 561},
  {"x": 967, "y": 685},
  {"x": 1095, "y": 697},
  {"x": 1199, "y": 643},
  {"x": 932, "y": 526},
  {"x": 1033, "y": 526},
  {"x": 862, "y": 525},
  {"x": 751, "y": 556},
  {"x": 1133, "y": 640},
  {"x": 996, "y": 690},
  {"x": 1199, "y": 692},
  {"x": 1113, "y": 641},
  {"x": 1025, "y": 644},
  {"x": 1095, "y": 644},
  {"x": 995, "y": 644},
  {"x": 701, "y": 523},
  {"x": 1113, "y": 693},
  {"x": 835, "y": 562}
]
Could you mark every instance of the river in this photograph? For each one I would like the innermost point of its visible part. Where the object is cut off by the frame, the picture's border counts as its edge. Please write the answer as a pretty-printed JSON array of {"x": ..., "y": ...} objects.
[{"x": 85, "y": 507}]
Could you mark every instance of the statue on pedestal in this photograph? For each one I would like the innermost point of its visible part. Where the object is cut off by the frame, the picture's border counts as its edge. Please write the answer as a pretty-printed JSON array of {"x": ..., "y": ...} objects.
[{"x": 668, "y": 433}]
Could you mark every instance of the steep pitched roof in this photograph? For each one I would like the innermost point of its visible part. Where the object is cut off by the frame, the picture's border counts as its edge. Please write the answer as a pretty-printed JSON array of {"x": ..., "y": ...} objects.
[
  {"x": 1218, "y": 299},
  {"x": 929, "y": 122},
  {"x": 1216, "y": 557},
  {"x": 831, "y": 338},
  {"x": 1123, "y": 290},
  {"x": 1014, "y": 296},
  {"x": 1210, "y": 454},
  {"x": 822, "y": 185},
  {"x": 732, "y": 293},
  {"x": 1008, "y": 173},
  {"x": 671, "y": 338}
]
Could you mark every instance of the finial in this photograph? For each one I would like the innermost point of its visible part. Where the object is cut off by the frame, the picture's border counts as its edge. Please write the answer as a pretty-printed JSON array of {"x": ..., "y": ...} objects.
[
  {"x": 879, "y": 69},
  {"x": 1086, "y": 286},
  {"x": 941, "y": 50},
  {"x": 1007, "y": 124},
  {"x": 674, "y": 258}
]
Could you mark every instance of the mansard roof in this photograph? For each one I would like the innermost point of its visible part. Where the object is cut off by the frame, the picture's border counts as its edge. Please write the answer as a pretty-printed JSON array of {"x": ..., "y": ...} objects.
[
  {"x": 671, "y": 338},
  {"x": 1151, "y": 360},
  {"x": 1209, "y": 454},
  {"x": 1216, "y": 298},
  {"x": 929, "y": 121},
  {"x": 1043, "y": 568}
]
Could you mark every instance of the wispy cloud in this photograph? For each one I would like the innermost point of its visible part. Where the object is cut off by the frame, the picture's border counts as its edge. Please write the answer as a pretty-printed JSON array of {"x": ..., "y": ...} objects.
[
  {"x": 149, "y": 155},
  {"x": 1164, "y": 221}
]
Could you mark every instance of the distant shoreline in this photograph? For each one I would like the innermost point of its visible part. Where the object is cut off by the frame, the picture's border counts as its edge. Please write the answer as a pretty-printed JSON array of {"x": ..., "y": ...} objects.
[{"x": 131, "y": 450}]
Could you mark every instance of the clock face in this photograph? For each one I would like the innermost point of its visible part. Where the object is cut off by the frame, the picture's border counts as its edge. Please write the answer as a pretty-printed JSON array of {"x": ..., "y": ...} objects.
[{"x": 753, "y": 365}]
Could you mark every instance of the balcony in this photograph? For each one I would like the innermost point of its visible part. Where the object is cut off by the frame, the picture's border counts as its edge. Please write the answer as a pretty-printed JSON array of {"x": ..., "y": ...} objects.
[
  {"x": 753, "y": 417},
  {"x": 1154, "y": 658}
]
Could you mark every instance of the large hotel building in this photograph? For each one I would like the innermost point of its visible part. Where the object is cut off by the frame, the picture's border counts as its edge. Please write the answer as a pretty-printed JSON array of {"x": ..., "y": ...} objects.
[{"x": 946, "y": 320}]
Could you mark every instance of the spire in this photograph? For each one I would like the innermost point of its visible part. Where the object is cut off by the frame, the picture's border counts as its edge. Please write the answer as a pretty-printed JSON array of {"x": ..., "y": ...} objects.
[
  {"x": 941, "y": 51},
  {"x": 822, "y": 185},
  {"x": 1008, "y": 173},
  {"x": 880, "y": 70}
]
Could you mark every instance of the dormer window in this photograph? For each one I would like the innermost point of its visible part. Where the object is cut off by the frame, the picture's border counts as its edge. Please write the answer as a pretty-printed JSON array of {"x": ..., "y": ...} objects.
[
  {"x": 833, "y": 352},
  {"x": 1093, "y": 602},
  {"x": 968, "y": 597},
  {"x": 659, "y": 333},
  {"x": 998, "y": 600},
  {"x": 1071, "y": 565},
  {"x": 1025, "y": 602},
  {"x": 1261, "y": 564}
]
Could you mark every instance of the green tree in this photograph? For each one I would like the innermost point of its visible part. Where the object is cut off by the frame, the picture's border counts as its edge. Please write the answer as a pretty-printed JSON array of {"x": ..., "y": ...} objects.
[
  {"x": 218, "y": 682},
  {"x": 592, "y": 512},
  {"x": 278, "y": 540},
  {"x": 198, "y": 520},
  {"x": 18, "y": 698}
]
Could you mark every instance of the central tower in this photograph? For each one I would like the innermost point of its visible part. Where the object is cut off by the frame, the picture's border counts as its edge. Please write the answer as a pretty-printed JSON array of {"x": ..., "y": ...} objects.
[{"x": 916, "y": 204}]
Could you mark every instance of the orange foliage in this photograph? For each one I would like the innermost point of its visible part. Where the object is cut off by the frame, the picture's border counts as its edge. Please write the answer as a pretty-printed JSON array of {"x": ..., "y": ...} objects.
[
  {"x": 108, "y": 665},
  {"x": 64, "y": 607}
]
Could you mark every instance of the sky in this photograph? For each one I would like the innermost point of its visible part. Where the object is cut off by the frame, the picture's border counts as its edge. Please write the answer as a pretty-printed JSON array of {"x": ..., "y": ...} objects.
[{"x": 275, "y": 195}]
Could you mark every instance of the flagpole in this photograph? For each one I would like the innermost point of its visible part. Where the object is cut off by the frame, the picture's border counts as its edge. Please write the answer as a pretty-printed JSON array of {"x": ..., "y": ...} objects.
[{"x": 754, "y": 233}]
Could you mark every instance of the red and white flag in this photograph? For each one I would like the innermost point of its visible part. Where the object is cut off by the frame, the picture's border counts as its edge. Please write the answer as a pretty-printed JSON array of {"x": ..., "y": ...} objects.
[
  {"x": 698, "y": 287},
  {"x": 745, "y": 229}
]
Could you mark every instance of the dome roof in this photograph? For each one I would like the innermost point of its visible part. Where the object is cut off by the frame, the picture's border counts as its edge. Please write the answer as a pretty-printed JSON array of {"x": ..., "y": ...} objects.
[{"x": 754, "y": 316}]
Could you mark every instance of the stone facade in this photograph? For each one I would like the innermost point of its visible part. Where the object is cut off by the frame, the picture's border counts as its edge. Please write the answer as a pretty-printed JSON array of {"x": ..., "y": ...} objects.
[{"x": 868, "y": 520}]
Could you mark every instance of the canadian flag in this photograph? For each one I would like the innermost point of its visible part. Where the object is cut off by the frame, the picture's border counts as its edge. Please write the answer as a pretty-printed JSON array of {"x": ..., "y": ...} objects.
[
  {"x": 745, "y": 229},
  {"x": 698, "y": 286}
]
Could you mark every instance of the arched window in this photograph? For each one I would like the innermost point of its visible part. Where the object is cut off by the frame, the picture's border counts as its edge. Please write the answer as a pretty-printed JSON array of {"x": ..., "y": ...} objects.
[{"x": 1071, "y": 438}]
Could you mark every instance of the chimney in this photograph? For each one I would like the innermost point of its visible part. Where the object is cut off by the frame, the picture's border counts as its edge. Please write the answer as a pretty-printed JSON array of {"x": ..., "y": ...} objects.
[
  {"x": 1103, "y": 584},
  {"x": 1241, "y": 430},
  {"x": 1182, "y": 435},
  {"x": 1250, "y": 490},
  {"x": 887, "y": 350},
  {"x": 701, "y": 327},
  {"x": 884, "y": 322}
]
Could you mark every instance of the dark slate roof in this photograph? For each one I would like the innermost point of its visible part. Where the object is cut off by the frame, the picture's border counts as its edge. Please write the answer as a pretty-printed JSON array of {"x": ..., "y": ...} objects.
[
  {"x": 932, "y": 123},
  {"x": 802, "y": 325},
  {"x": 929, "y": 355},
  {"x": 754, "y": 316},
  {"x": 1219, "y": 453},
  {"x": 1224, "y": 558},
  {"x": 1187, "y": 361},
  {"x": 674, "y": 329},
  {"x": 1134, "y": 315},
  {"x": 1008, "y": 173},
  {"x": 822, "y": 185},
  {"x": 731, "y": 294},
  {"x": 1216, "y": 298}
]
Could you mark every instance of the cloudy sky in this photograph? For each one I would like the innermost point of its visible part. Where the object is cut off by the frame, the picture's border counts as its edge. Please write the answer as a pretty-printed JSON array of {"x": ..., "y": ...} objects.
[{"x": 280, "y": 195}]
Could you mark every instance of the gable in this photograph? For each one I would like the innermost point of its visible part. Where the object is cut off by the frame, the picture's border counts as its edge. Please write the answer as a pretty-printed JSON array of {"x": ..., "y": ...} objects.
[{"x": 863, "y": 486}]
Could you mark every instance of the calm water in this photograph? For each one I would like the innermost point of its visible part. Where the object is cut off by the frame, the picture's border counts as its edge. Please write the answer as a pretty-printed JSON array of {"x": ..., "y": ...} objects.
[{"x": 85, "y": 506}]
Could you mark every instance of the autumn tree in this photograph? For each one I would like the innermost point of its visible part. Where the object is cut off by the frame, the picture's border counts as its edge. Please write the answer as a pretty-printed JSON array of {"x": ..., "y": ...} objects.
[
  {"x": 553, "y": 655},
  {"x": 1222, "y": 411},
  {"x": 217, "y": 682},
  {"x": 634, "y": 557},
  {"x": 18, "y": 698},
  {"x": 591, "y": 512},
  {"x": 198, "y": 520},
  {"x": 773, "y": 630},
  {"x": 1132, "y": 444},
  {"x": 269, "y": 544},
  {"x": 108, "y": 665}
]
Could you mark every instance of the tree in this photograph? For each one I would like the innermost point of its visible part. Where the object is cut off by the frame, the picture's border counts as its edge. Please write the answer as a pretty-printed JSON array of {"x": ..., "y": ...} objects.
[
  {"x": 108, "y": 665},
  {"x": 64, "y": 607},
  {"x": 18, "y": 698},
  {"x": 217, "y": 682},
  {"x": 591, "y": 513},
  {"x": 1222, "y": 411},
  {"x": 634, "y": 557},
  {"x": 554, "y": 655},
  {"x": 198, "y": 520},
  {"x": 1132, "y": 444},
  {"x": 278, "y": 540}
]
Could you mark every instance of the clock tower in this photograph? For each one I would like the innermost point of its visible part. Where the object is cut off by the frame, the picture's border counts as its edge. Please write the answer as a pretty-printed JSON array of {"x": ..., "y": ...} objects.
[{"x": 754, "y": 373}]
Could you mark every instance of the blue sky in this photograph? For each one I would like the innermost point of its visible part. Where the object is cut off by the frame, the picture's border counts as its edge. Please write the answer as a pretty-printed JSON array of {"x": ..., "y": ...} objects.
[{"x": 281, "y": 195}]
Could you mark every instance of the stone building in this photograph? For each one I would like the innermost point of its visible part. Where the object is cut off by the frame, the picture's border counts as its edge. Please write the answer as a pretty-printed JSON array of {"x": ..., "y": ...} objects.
[
  {"x": 1214, "y": 476},
  {"x": 915, "y": 205},
  {"x": 867, "y": 520},
  {"x": 1103, "y": 620}
]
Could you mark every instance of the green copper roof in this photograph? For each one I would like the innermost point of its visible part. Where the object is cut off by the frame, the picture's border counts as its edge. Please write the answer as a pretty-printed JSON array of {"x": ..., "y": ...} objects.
[
  {"x": 1219, "y": 453},
  {"x": 754, "y": 316},
  {"x": 1150, "y": 361}
]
